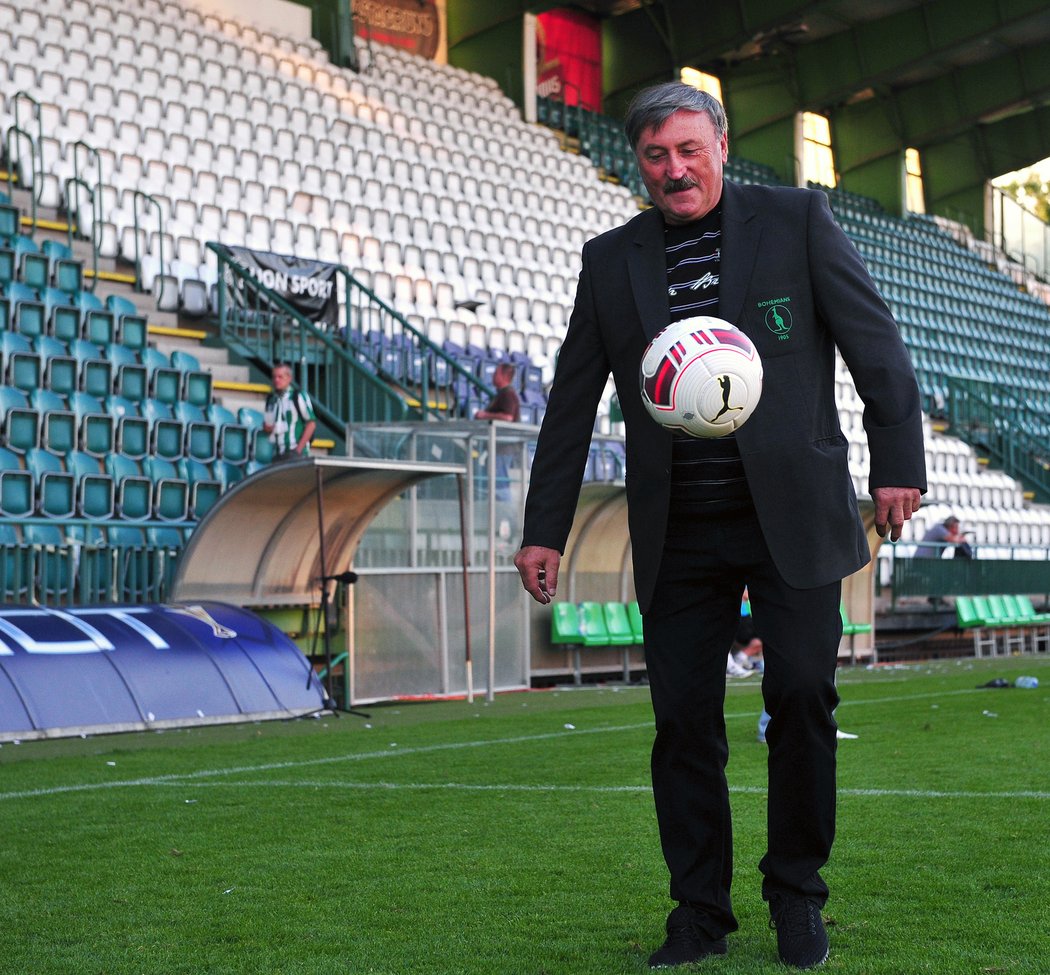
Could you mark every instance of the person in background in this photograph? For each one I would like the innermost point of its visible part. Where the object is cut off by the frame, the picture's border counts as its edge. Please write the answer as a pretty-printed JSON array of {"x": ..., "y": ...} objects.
[
  {"x": 505, "y": 405},
  {"x": 289, "y": 417},
  {"x": 939, "y": 537}
]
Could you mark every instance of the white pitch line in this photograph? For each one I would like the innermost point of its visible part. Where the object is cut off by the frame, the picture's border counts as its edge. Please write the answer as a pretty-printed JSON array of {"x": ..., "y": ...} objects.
[
  {"x": 392, "y": 752},
  {"x": 748, "y": 790}
]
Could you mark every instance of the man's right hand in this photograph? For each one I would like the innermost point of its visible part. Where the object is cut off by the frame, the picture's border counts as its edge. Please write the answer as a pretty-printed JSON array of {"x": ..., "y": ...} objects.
[{"x": 538, "y": 568}]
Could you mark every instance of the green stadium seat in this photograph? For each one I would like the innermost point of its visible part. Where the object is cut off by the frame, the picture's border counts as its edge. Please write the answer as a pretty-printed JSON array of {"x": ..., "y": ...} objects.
[
  {"x": 635, "y": 616},
  {"x": 592, "y": 624},
  {"x": 565, "y": 624}
]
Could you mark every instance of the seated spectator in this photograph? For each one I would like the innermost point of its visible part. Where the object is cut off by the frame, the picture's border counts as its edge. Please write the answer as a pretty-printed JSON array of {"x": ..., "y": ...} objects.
[{"x": 939, "y": 537}]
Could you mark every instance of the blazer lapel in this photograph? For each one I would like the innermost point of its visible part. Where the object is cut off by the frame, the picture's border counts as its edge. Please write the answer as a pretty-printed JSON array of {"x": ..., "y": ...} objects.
[
  {"x": 740, "y": 236},
  {"x": 647, "y": 269}
]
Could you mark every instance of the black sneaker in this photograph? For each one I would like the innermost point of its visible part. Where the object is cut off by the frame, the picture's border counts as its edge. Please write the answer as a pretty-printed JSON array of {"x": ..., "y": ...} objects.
[
  {"x": 802, "y": 940},
  {"x": 687, "y": 940}
]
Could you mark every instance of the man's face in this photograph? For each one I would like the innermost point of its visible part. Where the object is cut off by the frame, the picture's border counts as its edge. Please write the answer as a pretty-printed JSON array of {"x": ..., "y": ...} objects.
[
  {"x": 282, "y": 378},
  {"x": 681, "y": 165}
]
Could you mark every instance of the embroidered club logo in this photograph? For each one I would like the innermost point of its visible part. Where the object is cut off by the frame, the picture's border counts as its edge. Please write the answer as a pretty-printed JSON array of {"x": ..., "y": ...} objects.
[{"x": 778, "y": 319}]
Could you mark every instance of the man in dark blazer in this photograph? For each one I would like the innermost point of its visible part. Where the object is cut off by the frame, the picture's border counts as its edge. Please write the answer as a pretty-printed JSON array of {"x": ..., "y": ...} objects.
[{"x": 783, "y": 521}]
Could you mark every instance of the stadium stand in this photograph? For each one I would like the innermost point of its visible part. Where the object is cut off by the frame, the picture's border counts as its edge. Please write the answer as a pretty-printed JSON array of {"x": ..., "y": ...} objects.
[{"x": 159, "y": 129}]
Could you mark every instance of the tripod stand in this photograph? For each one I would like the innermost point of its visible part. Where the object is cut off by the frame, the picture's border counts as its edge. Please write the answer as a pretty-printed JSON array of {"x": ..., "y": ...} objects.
[{"x": 348, "y": 577}]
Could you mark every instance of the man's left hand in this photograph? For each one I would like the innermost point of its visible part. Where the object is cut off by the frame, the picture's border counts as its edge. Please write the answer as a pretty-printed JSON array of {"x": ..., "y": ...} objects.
[{"x": 893, "y": 507}]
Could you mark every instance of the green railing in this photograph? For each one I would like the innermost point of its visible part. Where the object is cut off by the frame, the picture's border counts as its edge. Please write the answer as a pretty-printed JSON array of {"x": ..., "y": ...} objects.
[
  {"x": 147, "y": 201},
  {"x": 78, "y": 573},
  {"x": 376, "y": 368},
  {"x": 71, "y": 191},
  {"x": 36, "y": 148},
  {"x": 970, "y": 577},
  {"x": 1012, "y": 435}
]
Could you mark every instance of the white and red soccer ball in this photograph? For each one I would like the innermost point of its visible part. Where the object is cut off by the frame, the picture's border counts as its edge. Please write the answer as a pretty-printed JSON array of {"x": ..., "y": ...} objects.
[{"x": 701, "y": 376}]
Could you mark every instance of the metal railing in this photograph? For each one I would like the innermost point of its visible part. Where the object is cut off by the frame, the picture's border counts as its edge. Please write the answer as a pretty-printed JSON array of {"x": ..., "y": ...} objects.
[
  {"x": 1027, "y": 572},
  {"x": 376, "y": 367},
  {"x": 147, "y": 201},
  {"x": 94, "y": 195},
  {"x": 78, "y": 573},
  {"x": 1014, "y": 436}
]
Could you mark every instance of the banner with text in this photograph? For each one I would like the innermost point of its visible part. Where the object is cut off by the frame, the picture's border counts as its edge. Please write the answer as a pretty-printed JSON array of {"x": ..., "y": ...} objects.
[
  {"x": 93, "y": 669},
  {"x": 309, "y": 286}
]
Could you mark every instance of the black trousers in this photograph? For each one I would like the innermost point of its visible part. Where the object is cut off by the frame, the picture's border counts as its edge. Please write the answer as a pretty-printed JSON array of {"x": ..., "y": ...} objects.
[{"x": 689, "y": 628}]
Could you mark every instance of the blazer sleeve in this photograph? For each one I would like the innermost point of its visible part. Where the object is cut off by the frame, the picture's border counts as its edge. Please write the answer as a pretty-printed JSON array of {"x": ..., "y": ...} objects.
[
  {"x": 568, "y": 422},
  {"x": 871, "y": 346}
]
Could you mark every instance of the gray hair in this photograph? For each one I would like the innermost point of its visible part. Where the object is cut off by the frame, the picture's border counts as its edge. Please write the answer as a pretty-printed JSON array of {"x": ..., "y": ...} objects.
[{"x": 651, "y": 107}]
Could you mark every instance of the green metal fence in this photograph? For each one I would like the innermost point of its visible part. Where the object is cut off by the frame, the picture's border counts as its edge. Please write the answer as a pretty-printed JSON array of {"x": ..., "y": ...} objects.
[
  {"x": 1012, "y": 435},
  {"x": 375, "y": 367},
  {"x": 970, "y": 577},
  {"x": 78, "y": 573}
]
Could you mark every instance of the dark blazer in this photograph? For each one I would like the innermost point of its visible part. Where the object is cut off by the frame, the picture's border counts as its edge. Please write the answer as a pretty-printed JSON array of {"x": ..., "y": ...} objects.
[{"x": 780, "y": 246}]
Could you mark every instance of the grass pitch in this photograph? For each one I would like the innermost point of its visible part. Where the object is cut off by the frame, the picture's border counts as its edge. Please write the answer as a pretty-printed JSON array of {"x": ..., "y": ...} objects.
[{"x": 518, "y": 837}]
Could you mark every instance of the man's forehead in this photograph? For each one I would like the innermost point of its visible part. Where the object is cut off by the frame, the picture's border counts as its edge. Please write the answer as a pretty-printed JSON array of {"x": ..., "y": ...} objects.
[{"x": 681, "y": 126}]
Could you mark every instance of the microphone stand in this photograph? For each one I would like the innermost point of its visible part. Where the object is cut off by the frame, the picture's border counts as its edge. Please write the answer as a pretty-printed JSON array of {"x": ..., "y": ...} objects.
[{"x": 348, "y": 578}]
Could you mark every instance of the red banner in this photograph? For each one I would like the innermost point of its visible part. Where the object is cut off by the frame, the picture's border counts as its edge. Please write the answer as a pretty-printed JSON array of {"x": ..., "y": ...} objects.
[
  {"x": 569, "y": 58},
  {"x": 412, "y": 25}
]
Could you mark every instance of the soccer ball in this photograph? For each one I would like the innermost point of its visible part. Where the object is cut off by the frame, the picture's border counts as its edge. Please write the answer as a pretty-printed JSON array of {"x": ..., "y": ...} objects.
[{"x": 701, "y": 376}]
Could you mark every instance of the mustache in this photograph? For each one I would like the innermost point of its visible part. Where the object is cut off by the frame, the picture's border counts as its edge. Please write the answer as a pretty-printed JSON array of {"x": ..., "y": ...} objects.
[{"x": 678, "y": 185}]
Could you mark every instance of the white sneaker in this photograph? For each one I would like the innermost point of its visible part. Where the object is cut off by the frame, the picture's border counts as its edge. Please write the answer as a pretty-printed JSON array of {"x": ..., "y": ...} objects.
[
  {"x": 844, "y": 735},
  {"x": 733, "y": 669}
]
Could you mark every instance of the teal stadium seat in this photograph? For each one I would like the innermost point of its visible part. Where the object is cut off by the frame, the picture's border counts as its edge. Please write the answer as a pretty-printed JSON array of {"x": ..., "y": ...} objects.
[
  {"x": 133, "y": 490},
  {"x": 233, "y": 436},
  {"x": 62, "y": 315},
  {"x": 17, "y": 498},
  {"x": 95, "y": 489},
  {"x": 204, "y": 489},
  {"x": 171, "y": 494},
  {"x": 165, "y": 383},
  {"x": 95, "y": 371},
  {"x": 22, "y": 366},
  {"x": 55, "y": 486},
  {"x": 95, "y": 424},
  {"x": 166, "y": 433},
  {"x": 131, "y": 428},
  {"x": 130, "y": 378},
  {"x": 19, "y": 423},
  {"x": 58, "y": 424},
  {"x": 132, "y": 329},
  {"x": 200, "y": 441},
  {"x": 196, "y": 382}
]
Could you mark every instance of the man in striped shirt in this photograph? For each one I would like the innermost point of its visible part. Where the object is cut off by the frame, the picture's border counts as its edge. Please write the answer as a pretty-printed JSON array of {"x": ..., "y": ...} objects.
[{"x": 289, "y": 418}]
